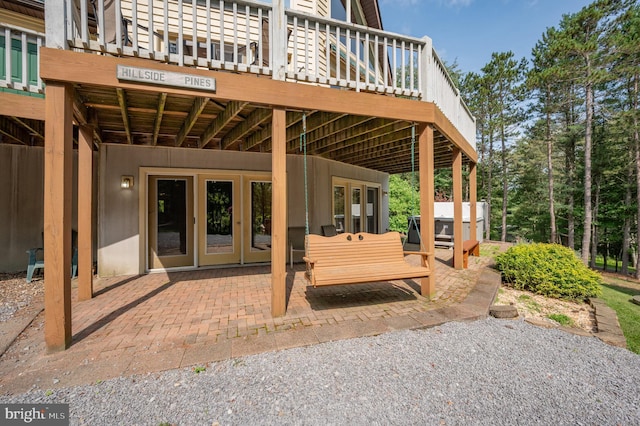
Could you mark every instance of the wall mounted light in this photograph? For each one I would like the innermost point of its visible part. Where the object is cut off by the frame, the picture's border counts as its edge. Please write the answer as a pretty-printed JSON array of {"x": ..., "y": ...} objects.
[
  {"x": 126, "y": 182},
  {"x": 385, "y": 193}
]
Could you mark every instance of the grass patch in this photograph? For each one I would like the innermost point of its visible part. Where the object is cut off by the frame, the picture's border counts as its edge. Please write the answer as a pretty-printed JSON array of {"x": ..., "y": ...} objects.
[
  {"x": 617, "y": 296},
  {"x": 489, "y": 250},
  {"x": 611, "y": 265},
  {"x": 561, "y": 319}
]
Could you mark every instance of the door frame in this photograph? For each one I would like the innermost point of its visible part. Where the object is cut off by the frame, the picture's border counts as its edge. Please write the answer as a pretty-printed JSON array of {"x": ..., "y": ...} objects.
[
  {"x": 348, "y": 185},
  {"x": 172, "y": 261},
  {"x": 143, "y": 206}
]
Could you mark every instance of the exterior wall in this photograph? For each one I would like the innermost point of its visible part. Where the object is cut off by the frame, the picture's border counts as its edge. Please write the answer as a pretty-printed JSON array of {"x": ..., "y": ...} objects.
[
  {"x": 122, "y": 250},
  {"x": 22, "y": 203}
]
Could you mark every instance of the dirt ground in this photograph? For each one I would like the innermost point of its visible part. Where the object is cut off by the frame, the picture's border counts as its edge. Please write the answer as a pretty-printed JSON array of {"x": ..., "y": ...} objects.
[
  {"x": 535, "y": 306},
  {"x": 16, "y": 293}
]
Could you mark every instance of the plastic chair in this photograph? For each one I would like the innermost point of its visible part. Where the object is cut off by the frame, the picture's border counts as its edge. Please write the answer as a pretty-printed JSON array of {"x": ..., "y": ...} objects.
[
  {"x": 296, "y": 241},
  {"x": 37, "y": 262}
]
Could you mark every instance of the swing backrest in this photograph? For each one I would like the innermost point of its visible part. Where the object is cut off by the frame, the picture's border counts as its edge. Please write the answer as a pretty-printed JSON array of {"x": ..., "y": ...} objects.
[{"x": 354, "y": 249}]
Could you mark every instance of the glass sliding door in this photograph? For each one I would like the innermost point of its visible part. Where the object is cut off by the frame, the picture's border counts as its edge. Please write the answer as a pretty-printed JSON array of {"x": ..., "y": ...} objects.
[
  {"x": 356, "y": 205},
  {"x": 170, "y": 221},
  {"x": 257, "y": 228},
  {"x": 373, "y": 209},
  {"x": 218, "y": 220},
  {"x": 356, "y": 209},
  {"x": 338, "y": 208}
]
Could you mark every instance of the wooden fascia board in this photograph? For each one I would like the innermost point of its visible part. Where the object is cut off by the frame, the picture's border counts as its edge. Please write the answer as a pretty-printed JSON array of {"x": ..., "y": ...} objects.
[
  {"x": 196, "y": 109},
  {"x": 445, "y": 127},
  {"x": 21, "y": 106},
  {"x": 83, "y": 68}
]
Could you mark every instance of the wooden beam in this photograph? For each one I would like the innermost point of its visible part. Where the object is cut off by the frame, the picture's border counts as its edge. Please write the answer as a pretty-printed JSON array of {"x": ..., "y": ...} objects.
[
  {"x": 151, "y": 111},
  {"x": 427, "y": 216},
  {"x": 264, "y": 135},
  {"x": 162, "y": 100},
  {"x": 370, "y": 135},
  {"x": 31, "y": 130},
  {"x": 196, "y": 109},
  {"x": 278, "y": 213},
  {"x": 457, "y": 208},
  {"x": 85, "y": 212},
  {"x": 233, "y": 108},
  {"x": 85, "y": 117},
  {"x": 473, "y": 197},
  {"x": 316, "y": 128},
  {"x": 347, "y": 127},
  {"x": 400, "y": 156},
  {"x": 122, "y": 101},
  {"x": 250, "y": 124},
  {"x": 13, "y": 131},
  {"x": 14, "y": 105},
  {"x": 58, "y": 162}
]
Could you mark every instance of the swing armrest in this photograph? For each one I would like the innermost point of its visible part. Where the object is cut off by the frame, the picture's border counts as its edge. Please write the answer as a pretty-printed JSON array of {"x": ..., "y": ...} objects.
[
  {"x": 423, "y": 255},
  {"x": 419, "y": 253},
  {"x": 311, "y": 262}
]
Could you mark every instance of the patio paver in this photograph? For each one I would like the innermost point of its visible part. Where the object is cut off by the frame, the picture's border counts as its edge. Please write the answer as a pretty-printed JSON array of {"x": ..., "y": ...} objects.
[{"x": 161, "y": 321}]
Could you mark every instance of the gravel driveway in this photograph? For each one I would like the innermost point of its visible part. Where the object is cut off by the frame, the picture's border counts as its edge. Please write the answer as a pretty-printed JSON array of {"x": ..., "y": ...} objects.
[{"x": 484, "y": 372}]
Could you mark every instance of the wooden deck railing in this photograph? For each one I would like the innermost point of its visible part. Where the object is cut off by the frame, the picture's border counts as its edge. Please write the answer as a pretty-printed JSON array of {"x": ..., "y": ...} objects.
[
  {"x": 241, "y": 35},
  {"x": 19, "y": 59}
]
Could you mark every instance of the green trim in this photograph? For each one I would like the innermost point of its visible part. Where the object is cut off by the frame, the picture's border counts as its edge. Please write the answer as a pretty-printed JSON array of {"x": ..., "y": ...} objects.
[{"x": 21, "y": 92}]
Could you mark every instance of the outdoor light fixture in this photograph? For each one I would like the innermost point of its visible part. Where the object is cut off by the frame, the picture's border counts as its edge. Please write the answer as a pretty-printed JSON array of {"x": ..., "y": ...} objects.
[{"x": 126, "y": 182}]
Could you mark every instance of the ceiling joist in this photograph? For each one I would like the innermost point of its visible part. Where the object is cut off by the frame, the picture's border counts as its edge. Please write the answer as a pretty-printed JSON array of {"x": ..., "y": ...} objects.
[
  {"x": 230, "y": 112},
  {"x": 162, "y": 100},
  {"x": 122, "y": 101},
  {"x": 192, "y": 117}
]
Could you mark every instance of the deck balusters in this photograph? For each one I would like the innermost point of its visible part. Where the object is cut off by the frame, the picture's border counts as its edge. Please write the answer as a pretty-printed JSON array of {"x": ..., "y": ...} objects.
[{"x": 321, "y": 50}]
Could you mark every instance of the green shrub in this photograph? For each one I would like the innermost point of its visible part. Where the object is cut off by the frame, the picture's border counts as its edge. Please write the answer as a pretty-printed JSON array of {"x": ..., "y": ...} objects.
[{"x": 548, "y": 269}]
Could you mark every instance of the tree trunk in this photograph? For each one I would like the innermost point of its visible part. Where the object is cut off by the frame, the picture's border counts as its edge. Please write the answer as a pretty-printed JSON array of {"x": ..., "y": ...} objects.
[
  {"x": 586, "y": 236},
  {"x": 626, "y": 230},
  {"x": 636, "y": 144},
  {"x": 552, "y": 212},
  {"x": 503, "y": 236},
  {"x": 489, "y": 186},
  {"x": 594, "y": 229}
]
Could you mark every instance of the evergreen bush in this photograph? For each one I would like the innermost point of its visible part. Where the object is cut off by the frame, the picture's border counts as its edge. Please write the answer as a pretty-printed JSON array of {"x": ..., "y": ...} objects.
[{"x": 548, "y": 269}]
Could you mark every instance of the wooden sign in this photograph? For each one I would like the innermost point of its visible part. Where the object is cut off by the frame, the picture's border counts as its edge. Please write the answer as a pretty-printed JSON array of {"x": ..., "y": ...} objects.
[{"x": 166, "y": 78}]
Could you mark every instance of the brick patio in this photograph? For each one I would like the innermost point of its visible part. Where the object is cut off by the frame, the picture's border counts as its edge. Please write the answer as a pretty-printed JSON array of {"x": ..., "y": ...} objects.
[{"x": 160, "y": 321}]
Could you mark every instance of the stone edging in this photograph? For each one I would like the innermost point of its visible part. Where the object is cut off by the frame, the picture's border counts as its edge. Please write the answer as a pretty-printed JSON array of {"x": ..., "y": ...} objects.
[{"x": 609, "y": 330}]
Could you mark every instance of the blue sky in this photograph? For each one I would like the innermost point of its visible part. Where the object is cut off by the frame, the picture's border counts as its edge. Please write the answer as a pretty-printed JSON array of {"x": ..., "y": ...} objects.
[{"x": 470, "y": 30}]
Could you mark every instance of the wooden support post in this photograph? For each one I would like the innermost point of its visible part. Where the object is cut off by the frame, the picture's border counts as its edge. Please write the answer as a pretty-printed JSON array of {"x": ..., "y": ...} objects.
[
  {"x": 58, "y": 165},
  {"x": 85, "y": 215},
  {"x": 473, "y": 198},
  {"x": 278, "y": 212},
  {"x": 457, "y": 209},
  {"x": 427, "y": 191}
]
